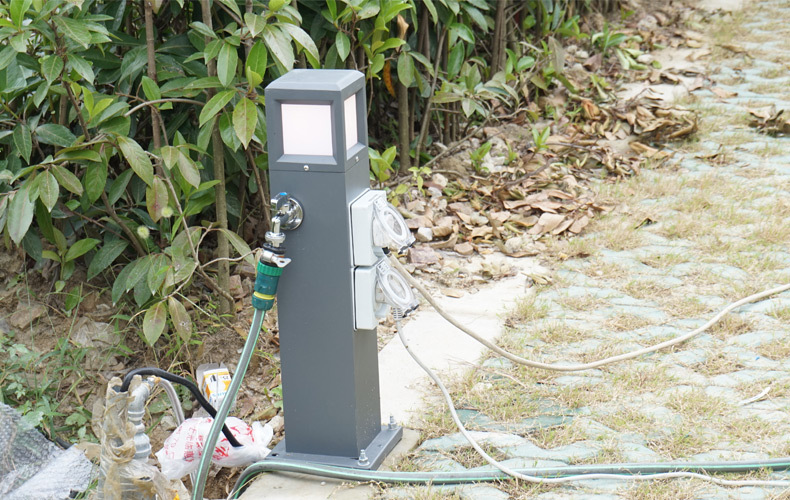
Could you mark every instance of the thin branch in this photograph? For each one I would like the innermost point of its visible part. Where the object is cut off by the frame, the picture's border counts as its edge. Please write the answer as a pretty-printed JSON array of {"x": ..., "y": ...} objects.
[
  {"x": 262, "y": 188},
  {"x": 77, "y": 110},
  {"x": 230, "y": 259},
  {"x": 129, "y": 233},
  {"x": 150, "y": 46},
  {"x": 231, "y": 14},
  {"x": 88, "y": 219},
  {"x": 427, "y": 113},
  {"x": 157, "y": 101}
]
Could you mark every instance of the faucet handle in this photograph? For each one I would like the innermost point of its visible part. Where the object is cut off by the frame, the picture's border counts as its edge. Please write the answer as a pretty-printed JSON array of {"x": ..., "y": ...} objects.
[
  {"x": 279, "y": 202},
  {"x": 287, "y": 211}
]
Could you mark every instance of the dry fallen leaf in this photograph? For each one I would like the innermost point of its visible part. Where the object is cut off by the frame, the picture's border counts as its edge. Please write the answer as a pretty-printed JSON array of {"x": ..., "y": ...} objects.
[
  {"x": 579, "y": 224},
  {"x": 771, "y": 122},
  {"x": 698, "y": 54},
  {"x": 481, "y": 232},
  {"x": 723, "y": 94},
  {"x": 547, "y": 223},
  {"x": 734, "y": 48},
  {"x": 496, "y": 270}
]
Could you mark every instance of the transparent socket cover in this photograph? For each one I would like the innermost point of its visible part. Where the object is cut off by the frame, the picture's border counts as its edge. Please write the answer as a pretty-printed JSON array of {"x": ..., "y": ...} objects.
[
  {"x": 389, "y": 228},
  {"x": 393, "y": 289}
]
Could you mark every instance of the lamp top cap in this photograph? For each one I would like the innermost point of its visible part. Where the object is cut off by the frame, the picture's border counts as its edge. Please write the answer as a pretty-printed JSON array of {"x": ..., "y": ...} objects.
[{"x": 317, "y": 79}]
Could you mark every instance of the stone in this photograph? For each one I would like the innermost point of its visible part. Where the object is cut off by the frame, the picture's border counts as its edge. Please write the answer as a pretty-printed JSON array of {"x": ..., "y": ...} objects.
[
  {"x": 576, "y": 495},
  {"x": 26, "y": 314},
  {"x": 516, "y": 244},
  {"x": 487, "y": 164},
  {"x": 577, "y": 380},
  {"x": 423, "y": 256},
  {"x": 442, "y": 231},
  {"x": 457, "y": 440},
  {"x": 235, "y": 287},
  {"x": 436, "y": 461},
  {"x": 726, "y": 393},
  {"x": 737, "y": 378},
  {"x": 464, "y": 248},
  {"x": 498, "y": 363},
  {"x": 756, "y": 338},
  {"x": 608, "y": 485},
  {"x": 418, "y": 222},
  {"x": 651, "y": 314},
  {"x": 415, "y": 206},
  {"x": 246, "y": 270},
  {"x": 424, "y": 234},
  {"x": 474, "y": 419},
  {"x": 688, "y": 357},
  {"x": 483, "y": 492},
  {"x": 633, "y": 452},
  {"x": 434, "y": 192},
  {"x": 645, "y": 59},
  {"x": 661, "y": 414},
  {"x": 767, "y": 306},
  {"x": 277, "y": 423},
  {"x": 575, "y": 277},
  {"x": 406, "y": 493},
  {"x": 595, "y": 430},
  {"x": 439, "y": 179}
]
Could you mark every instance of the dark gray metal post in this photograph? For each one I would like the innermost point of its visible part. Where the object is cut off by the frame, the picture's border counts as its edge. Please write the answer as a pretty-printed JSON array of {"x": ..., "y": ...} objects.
[{"x": 329, "y": 371}]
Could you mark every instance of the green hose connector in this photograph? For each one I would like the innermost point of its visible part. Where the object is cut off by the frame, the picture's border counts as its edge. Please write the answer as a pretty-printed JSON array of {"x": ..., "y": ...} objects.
[{"x": 265, "y": 286}]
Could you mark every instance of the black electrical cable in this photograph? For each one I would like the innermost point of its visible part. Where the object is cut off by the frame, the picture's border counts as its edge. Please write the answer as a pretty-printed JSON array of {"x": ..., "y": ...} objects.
[{"x": 158, "y": 372}]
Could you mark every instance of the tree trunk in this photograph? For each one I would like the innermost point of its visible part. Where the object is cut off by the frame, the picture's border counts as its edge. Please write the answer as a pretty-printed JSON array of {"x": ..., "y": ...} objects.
[
  {"x": 498, "y": 55},
  {"x": 156, "y": 130},
  {"x": 403, "y": 128},
  {"x": 218, "y": 152}
]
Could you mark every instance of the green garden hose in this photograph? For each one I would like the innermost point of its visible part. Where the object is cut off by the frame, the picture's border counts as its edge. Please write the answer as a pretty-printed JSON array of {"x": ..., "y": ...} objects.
[
  {"x": 263, "y": 299},
  {"x": 476, "y": 476}
]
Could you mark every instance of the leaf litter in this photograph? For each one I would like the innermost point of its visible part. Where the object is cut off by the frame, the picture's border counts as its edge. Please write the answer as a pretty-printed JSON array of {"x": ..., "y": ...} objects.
[{"x": 527, "y": 191}]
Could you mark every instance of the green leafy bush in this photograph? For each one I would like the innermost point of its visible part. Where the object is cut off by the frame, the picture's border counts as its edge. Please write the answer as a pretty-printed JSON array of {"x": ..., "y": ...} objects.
[{"x": 132, "y": 133}]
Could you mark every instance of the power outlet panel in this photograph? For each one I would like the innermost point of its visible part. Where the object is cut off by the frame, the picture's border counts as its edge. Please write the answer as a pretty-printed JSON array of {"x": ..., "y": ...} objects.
[{"x": 364, "y": 252}]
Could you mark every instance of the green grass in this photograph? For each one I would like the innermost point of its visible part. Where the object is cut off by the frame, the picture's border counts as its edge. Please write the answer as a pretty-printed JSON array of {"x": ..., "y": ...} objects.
[
  {"x": 527, "y": 309},
  {"x": 43, "y": 387}
]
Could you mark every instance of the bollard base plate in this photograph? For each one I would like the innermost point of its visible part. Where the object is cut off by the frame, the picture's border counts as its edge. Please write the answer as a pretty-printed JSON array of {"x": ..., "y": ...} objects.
[{"x": 377, "y": 451}]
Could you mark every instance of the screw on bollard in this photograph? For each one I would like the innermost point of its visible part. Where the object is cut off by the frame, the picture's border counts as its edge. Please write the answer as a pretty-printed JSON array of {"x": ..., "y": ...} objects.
[{"x": 363, "y": 458}]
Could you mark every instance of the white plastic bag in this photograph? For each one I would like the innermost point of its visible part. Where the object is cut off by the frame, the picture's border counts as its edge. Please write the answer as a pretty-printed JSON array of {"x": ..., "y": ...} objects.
[{"x": 181, "y": 452}]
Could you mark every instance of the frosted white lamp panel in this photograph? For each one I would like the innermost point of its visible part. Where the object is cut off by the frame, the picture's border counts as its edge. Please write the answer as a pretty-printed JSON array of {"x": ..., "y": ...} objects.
[
  {"x": 307, "y": 129},
  {"x": 350, "y": 109}
]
